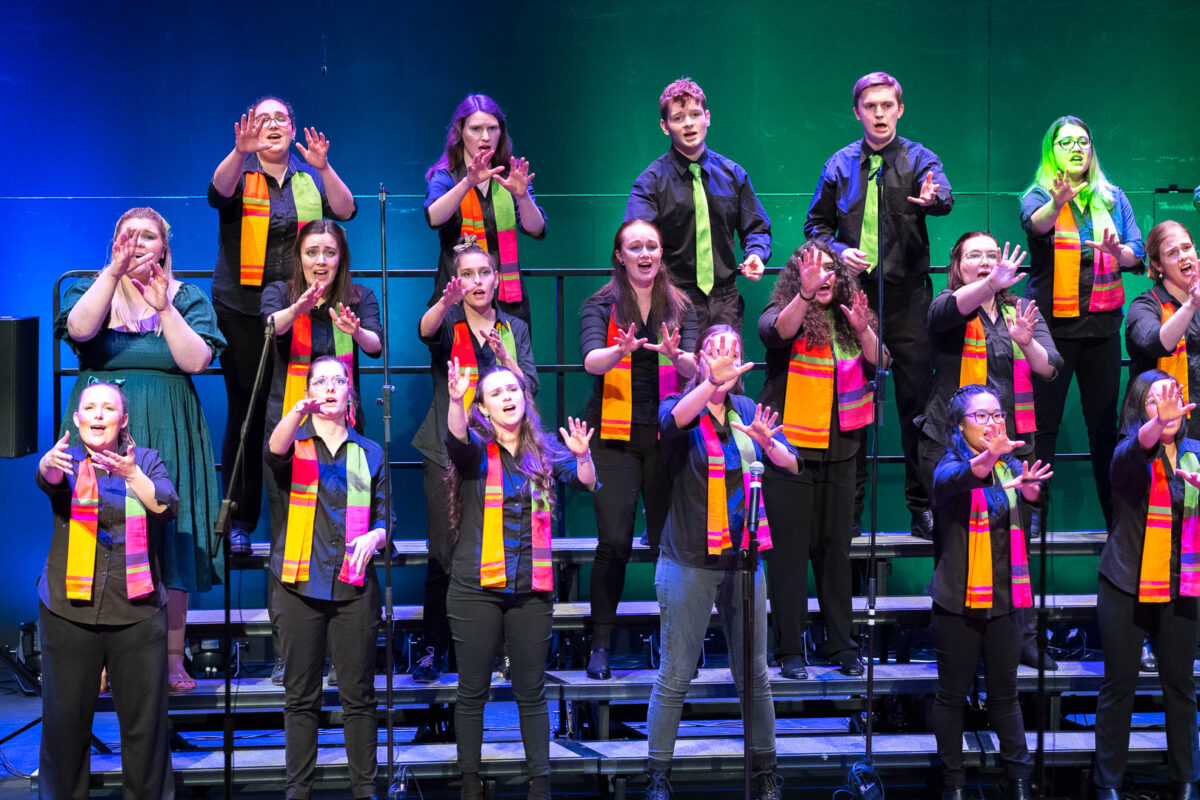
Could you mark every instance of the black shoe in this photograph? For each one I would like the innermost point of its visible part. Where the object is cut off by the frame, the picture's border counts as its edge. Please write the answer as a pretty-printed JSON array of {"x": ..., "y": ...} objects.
[
  {"x": 922, "y": 524},
  {"x": 1149, "y": 661},
  {"x": 539, "y": 788},
  {"x": 277, "y": 672},
  {"x": 428, "y": 668},
  {"x": 850, "y": 664},
  {"x": 472, "y": 787},
  {"x": 597, "y": 668},
  {"x": 239, "y": 542},
  {"x": 1016, "y": 789},
  {"x": 657, "y": 785},
  {"x": 954, "y": 793},
  {"x": 1029, "y": 657},
  {"x": 767, "y": 785},
  {"x": 793, "y": 667},
  {"x": 332, "y": 679},
  {"x": 1184, "y": 791}
]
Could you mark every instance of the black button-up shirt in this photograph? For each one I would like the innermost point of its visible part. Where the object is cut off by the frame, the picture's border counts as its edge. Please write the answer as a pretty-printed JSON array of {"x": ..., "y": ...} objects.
[{"x": 1145, "y": 348}]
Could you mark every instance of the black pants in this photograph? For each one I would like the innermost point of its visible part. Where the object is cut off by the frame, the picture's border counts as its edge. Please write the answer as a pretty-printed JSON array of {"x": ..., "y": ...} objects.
[
  {"x": 348, "y": 630},
  {"x": 480, "y": 620},
  {"x": 1096, "y": 365},
  {"x": 723, "y": 306},
  {"x": 960, "y": 640},
  {"x": 906, "y": 335},
  {"x": 239, "y": 365},
  {"x": 434, "y": 623},
  {"x": 136, "y": 657},
  {"x": 625, "y": 470},
  {"x": 810, "y": 518},
  {"x": 1124, "y": 625}
]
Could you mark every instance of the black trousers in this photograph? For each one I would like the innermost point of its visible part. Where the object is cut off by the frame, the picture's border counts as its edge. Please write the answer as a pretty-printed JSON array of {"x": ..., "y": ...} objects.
[
  {"x": 239, "y": 364},
  {"x": 960, "y": 641},
  {"x": 480, "y": 620},
  {"x": 434, "y": 624},
  {"x": 906, "y": 336},
  {"x": 136, "y": 657},
  {"x": 724, "y": 306},
  {"x": 348, "y": 630},
  {"x": 1096, "y": 365},
  {"x": 1124, "y": 625},
  {"x": 625, "y": 470},
  {"x": 810, "y": 518}
]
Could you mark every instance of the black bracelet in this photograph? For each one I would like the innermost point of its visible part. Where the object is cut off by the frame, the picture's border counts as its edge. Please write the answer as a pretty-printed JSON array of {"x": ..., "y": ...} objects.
[
  {"x": 808, "y": 299},
  {"x": 715, "y": 383}
]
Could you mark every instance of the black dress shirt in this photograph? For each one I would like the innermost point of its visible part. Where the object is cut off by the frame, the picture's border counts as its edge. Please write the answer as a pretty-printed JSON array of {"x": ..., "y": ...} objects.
[
  {"x": 329, "y": 523},
  {"x": 593, "y": 335},
  {"x": 836, "y": 213},
  {"x": 110, "y": 603},
  {"x": 662, "y": 194},
  {"x": 1145, "y": 348}
]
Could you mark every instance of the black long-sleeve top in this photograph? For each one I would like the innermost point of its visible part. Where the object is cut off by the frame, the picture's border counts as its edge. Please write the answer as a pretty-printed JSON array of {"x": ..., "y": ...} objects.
[
  {"x": 953, "y": 482},
  {"x": 643, "y": 367},
  {"x": 947, "y": 329},
  {"x": 1121, "y": 559},
  {"x": 662, "y": 194},
  {"x": 836, "y": 212},
  {"x": 1142, "y": 325},
  {"x": 110, "y": 603},
  {"x": 329, "y": 523}
]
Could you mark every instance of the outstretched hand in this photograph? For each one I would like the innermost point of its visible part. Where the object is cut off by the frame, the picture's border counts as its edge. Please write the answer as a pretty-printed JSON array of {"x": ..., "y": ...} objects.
[
  {"x": 577, "y": 436},
  {"x": 458, "y": 380},
  {"x": 723, "y": 362},
  {"x": 307, "y": 405},
  {"x": 858, "y": 314},
  {"x": 1030, "y": 479},
  {"x": 308, "y": 301},
  {"x": 519, "y": 177},
  {"x": 245, "y": 134},
  {"x": 124, "y": 259},
  {"x": 1062, "y": 191},
  {"x": 928, "y": 193},
  {"x": 1004, "y": 275},
  {"x": 454, "y": 291},
  {"x": 1109, "y": 243},
  {"x": 317, "y": 151},
  {"x": 119, "y": 465},
  {"x": 346, "y": 320},
  {"x": 762, "y": 428},
  {"x": 1168, "y": 403},
  {"x": 628, "y": 341},
  {"x": 155, "y": 289},
  {"x": 995, "y": 439},
  {"x": 668, "y": 344},
  {"x": 1020, "y": 328},
  {"x": 812, "y": 274},
  {"x": 56, "y": 461},
  {"x": 478, "y": 170}
]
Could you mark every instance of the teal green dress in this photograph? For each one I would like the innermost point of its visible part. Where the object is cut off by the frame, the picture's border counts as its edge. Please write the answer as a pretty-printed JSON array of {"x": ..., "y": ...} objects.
[{"x": 164, "y": 414}]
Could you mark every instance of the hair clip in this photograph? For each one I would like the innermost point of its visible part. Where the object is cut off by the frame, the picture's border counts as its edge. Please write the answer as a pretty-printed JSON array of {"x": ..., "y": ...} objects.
[
  {"x": 118, "y": 382},
  {"x": 467, "y": 240}
]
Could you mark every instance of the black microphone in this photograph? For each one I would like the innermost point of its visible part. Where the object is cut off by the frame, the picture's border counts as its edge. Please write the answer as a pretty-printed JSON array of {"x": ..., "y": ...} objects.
[{"x": 756, "y": 473}]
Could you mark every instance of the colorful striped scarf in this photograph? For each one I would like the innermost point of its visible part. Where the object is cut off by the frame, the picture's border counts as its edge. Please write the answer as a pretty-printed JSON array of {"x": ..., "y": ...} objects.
[
  {"x": 463, "y": 348},
  {"x": 505, "y": 212},
  {"x": 719, "y": 539},
  {"x": 1154, "y": 579},
  {"x": 1176, "y": 364},
  {"x": 1107, "y": 291},
  {"x": 974, "y": 369},
  {"x": 302, "y": 510},
  {"x": 491, "y": 552},
  {"x": 300, "y": 358},
  {"x": 980, "y": 575},
  {"x": 815, "y": 375},
  {"x": 81, "y": 539},
  {"x": 616, "y": 407},
  {"x": 256, "y": 218}
]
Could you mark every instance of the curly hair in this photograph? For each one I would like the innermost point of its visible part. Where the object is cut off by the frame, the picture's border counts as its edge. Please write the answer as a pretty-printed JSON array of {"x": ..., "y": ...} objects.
[
  {"x": 680, "y": 91},
  {"x": 819, "y": 327}
]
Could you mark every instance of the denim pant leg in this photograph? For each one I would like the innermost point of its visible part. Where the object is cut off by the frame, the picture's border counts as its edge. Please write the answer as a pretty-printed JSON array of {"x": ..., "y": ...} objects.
[
  {"x": 729, "y": 608},
  {"x": 685, "y": 601}
]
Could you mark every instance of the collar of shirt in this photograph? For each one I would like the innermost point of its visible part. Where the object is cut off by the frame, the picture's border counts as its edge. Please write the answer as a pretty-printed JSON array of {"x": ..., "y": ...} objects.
[
  {"x": 307, "y": 432},
  {"x": 1163, "y": 295},
  {"x": 682, "y": 162},
  {"x": 254, "y": 165},
  {"x": 889, "y": 151}
]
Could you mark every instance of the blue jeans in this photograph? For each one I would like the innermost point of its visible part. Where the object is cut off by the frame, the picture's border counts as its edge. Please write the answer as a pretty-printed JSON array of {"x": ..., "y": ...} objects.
[{"x": 685, "y": 600}]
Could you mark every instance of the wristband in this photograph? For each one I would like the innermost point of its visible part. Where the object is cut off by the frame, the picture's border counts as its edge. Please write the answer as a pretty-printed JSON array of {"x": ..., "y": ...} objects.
[
  {"x": 714, "y": 383},
  {"x": 808, "y": 299}
]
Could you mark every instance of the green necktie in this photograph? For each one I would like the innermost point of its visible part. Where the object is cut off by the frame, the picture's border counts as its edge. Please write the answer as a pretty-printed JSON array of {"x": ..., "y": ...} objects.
[
  {"x": 704, "y": 256},
  {"x": 868, "y": 240}
]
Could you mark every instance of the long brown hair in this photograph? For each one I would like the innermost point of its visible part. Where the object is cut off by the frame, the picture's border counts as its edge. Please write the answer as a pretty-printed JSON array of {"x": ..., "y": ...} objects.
[
  {"x": 668, "y": 303},
  {"x": 817, "y": 328},
  {"x": 342, "y": 290},
  {"x": 535, "y": 456}
]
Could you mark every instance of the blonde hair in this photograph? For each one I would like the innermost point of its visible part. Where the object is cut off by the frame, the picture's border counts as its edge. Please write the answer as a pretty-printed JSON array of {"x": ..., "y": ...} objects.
[{"x": 124, "y": 300}]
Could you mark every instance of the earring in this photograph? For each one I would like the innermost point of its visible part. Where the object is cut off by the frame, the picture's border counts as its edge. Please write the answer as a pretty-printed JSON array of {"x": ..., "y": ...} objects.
[{"x": 485, "y": 414}]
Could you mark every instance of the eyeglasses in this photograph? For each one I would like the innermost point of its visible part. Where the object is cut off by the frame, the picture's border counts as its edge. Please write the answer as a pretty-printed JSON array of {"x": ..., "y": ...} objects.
[
  {"x": 976, "y": 256},
  {"x": 983, "y": 417},
  {"x": 1079, "y": 142},
  {"x": 337, "y": 380},
  {"x": 280, "y": 120}
]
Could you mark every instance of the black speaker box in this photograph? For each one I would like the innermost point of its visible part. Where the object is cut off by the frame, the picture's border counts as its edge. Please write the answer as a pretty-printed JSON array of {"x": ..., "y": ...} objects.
[{"x": 18, "y": 386}]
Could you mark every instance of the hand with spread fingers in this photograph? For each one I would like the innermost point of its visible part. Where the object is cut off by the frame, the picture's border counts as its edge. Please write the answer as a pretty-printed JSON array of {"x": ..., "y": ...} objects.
[
  {"x": 1062, "y": 191},
  {"x": 57, "y": 462},
  {"x": 928, "y": 193},
  {"x": 346, "y": 320},
  {"x": 317, "y": 151},
  {"x": 724, "y": 363},
  {"x": 155, "y": 290},
  {"x": 246, "y": 132},
  {"x": 478, "y": 169},
  {"x": 519, "y": 178},
  {"x": 577, "y": 437},
  {"x": 1020, "y": 327},
  {"x": 308, "y": 301},
  {"x": 458, "y": 380},
  {"x": 668, "y": 344},
  {"x": 762, "y": 428},
  {"x": 858, "y": 314},
  {"x": 1030, "y": 480}
]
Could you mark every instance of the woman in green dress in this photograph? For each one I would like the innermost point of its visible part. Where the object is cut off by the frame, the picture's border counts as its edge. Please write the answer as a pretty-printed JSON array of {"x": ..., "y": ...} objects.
[{"x": 133, "y": 322}]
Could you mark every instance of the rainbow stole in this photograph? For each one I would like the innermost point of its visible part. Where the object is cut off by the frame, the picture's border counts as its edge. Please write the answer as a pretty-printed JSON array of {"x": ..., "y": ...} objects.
[
  {"x": 811, "y": 385},
  {"x": 81, "y": 539},
  {"x": 1107, "y": 291},
  {"x": 1176, "y": 364},
  {"x": 979, "y": 548},
  {"x": 505, "y": 212},
  {"x": 616, "y": 406},
  {"x": 718, "y": 512},
  {"x": 973, "y": 369},
  {"x": 1154, "y": 579},
  {"x": 256, "y": 219},
  {"x": 491, "y": 552},
  {"x": 302, "y": 510},
  {"x": 300, "y": 358},
  {"x": 463, "y": 348}
]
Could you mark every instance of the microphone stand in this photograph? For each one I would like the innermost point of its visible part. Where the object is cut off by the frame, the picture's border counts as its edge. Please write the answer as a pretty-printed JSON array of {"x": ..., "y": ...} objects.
[
  {"x": 221, "y": 530},
  {"x": 1039, "y": 759},
  {"x": 385, "y": 401},
  {"x": 748, "y": 564}
]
